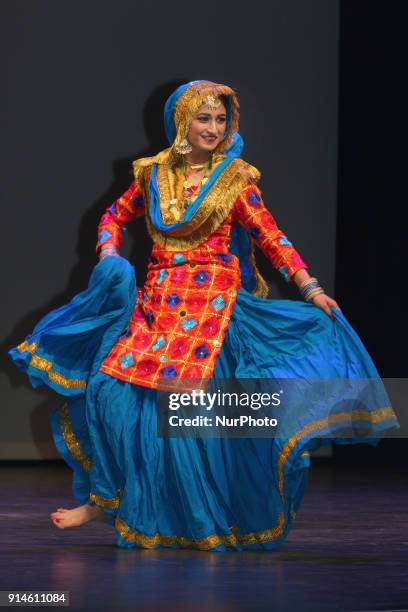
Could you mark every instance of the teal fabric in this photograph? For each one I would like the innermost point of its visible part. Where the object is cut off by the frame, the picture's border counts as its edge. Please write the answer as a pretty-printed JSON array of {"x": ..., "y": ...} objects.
[
  {"x": 196, "y": 487},
  {"x": 76, "y": 337}
]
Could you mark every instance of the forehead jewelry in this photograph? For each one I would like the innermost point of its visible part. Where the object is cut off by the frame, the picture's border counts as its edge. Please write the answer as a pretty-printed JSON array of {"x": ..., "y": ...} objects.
[{"x": 212, "y": 102}]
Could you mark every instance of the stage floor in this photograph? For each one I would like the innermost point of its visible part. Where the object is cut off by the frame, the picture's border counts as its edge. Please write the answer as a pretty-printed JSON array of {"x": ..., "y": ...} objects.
[{"x": 347, "y": 551}]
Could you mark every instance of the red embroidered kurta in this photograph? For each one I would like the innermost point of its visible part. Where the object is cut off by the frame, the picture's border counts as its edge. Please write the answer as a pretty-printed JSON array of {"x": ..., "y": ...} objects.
[{"x": 182, "y": 312}]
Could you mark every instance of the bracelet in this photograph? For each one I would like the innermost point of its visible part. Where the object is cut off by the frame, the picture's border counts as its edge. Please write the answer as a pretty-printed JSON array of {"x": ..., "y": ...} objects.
[
  {"x": 310, "y": 288},
  {"x": 312, "y": 294},
  {"x": 307, "y": 281}
]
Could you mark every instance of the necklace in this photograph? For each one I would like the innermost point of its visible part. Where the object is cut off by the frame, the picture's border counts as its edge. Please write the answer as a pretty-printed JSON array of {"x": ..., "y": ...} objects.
[
  {"x": 186, "y": 191},
  {"x": 178, "y": 205},
  {"x": 194, "y": 166}
]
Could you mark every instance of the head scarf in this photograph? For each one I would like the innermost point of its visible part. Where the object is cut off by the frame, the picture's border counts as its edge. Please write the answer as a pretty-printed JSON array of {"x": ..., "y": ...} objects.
[
  {"x": 184, "y": 102},
  {"x": 179, "y": 111}
]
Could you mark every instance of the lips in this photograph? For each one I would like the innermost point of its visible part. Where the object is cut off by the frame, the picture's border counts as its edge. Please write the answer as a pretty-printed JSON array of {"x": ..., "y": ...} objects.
[{"x": 209, "y": 139}]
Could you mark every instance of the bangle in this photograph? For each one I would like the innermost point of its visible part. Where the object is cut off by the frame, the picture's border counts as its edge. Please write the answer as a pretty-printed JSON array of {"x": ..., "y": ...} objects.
[
  {"x": 312, "y": 294},
  {"x": 310, "y": 288},
  {"x": 306, "y": 282}
]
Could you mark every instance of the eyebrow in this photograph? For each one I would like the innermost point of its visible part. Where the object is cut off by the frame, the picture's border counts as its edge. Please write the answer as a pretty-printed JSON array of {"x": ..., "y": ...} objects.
[{"x": 209, "y": 115}]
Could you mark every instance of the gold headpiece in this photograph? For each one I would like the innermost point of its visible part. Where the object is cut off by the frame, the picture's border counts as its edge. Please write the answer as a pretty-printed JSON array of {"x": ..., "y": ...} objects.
[
  {"x": 212, "y": 102},
  {"x": 208, "y": 93}
]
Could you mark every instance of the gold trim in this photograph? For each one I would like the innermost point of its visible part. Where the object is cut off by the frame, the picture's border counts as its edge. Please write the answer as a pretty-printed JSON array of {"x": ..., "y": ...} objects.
[
  {"x": 217, "y": 203},
  {"x": 71, "y": 441},
  {"x": 108, "y": 503},
  {"x": 376, "y": 416},
  {"x": 211, "y": 541},
  {"x": 213, "y": 210},
  {"x": 46, "y": 366},
  {"x": 261, "y": 287},
  {"x": 78, "y": 454},
  {"x": 254, "y": 537},
  {"x": 26, "y": 346}
]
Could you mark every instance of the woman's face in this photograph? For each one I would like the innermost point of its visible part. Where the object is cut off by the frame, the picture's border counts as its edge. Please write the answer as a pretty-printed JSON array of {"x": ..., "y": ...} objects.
[{"x": 207, "y": 128}]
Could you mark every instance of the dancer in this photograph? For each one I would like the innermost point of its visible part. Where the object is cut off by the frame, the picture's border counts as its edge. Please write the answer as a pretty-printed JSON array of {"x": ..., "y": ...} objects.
[{"x": 203, "y": 313}]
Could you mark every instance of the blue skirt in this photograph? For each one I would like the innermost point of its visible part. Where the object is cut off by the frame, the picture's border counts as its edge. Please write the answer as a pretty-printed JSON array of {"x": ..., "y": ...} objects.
[{"x": 214, "y": 494}]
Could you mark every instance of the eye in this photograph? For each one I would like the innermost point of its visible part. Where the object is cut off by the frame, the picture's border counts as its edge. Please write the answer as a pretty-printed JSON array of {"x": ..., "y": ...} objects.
[
  {"x": 221, "y": 119},
  {"x": 202, "y": 118}
]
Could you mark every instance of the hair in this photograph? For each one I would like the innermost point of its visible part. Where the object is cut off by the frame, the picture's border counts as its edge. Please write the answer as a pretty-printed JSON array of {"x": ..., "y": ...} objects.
[{"x": 224, "y": 99}]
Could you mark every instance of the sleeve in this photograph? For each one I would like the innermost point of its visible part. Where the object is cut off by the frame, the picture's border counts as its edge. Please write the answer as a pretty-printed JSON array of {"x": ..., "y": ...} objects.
[
  {"x": 250, "y": 211},
  {"x": 128, "y": 207}
]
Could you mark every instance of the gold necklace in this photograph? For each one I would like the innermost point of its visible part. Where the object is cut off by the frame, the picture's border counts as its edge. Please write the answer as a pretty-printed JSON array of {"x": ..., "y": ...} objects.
[
  {"x": 183, "y": 198},
  {"x": 195, "y": 166}
]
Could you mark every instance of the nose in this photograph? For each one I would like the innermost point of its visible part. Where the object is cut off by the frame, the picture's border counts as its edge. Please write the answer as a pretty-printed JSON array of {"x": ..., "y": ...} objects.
[{"x": 212, "y": 127}]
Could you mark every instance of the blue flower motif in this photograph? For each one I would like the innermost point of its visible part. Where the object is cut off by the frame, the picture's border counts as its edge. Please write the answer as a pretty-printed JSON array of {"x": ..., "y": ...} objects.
[
  {"x": 201, "y": 277},
  {"x": 253, "y": 198},
  {"x": 188, "y": 324},
  {"x": 150, "y": 317},
  {"x": 254, "y": 231},
  {"x": 126, "y": 361},
  {"x": 218, "y": 302},
  {"x": 161, "y": 276},
  {"x": 138, "y": 200},
  {"x": 104, "y": 236},
  {"x": 168, "y": 372},
  {"x": 159, "y": 343},
  {"x": 224, "y": 257},
  {"x": 285, "y": 241},
  {"x": 202, "y": 351},
  {"x": 113, "y": 209},
  {"x": 172, "y": 300},
  {"x": 179, "y": 258},
  {"x": 285, "y": 273}
]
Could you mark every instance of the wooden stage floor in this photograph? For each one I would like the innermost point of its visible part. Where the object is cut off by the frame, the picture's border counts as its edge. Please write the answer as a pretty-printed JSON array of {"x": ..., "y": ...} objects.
[{"x": 347, "y": 551}]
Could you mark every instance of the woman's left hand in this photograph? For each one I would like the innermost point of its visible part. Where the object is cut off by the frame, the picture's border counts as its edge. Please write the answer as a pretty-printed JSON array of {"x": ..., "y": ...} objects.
[{"x": 325, "y": 302}]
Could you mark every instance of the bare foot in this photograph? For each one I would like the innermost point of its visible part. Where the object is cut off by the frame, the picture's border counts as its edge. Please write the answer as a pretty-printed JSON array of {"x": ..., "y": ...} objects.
[{"x": 75, "y": 517}]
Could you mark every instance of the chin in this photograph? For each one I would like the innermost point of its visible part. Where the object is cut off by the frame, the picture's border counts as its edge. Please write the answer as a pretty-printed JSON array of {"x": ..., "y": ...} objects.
[{"x": 209, "y": 146}]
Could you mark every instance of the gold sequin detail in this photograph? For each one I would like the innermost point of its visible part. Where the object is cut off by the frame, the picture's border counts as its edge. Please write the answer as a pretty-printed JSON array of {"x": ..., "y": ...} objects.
[
  {"x": 71, "y": 441},
  {"x": 212, "y": 211},
  {"x": 376, "y": 416},
  {"x": 26, "y": 346},
  {"x": 211, "y": 541},
  {"x": 111, "y": 503},
  {"x": 46, "y": 366}
]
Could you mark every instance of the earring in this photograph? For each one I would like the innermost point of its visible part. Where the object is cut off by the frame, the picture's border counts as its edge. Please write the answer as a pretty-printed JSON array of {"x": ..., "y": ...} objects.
[{"x": 184, "y": 147}]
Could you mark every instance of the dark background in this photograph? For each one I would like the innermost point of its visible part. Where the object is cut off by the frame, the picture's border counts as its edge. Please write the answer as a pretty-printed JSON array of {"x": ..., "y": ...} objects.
[
  {"x": 84, "y": 86},
  {"x": 372, "y": 226}
]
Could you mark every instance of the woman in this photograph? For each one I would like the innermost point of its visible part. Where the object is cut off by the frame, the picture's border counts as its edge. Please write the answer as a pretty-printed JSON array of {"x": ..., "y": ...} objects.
[{"x": 201, "y": 314}]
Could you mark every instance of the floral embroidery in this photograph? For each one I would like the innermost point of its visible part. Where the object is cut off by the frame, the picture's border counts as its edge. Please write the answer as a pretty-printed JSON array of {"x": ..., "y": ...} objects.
[{"x": 127, "y": 361}]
